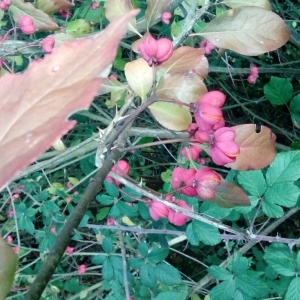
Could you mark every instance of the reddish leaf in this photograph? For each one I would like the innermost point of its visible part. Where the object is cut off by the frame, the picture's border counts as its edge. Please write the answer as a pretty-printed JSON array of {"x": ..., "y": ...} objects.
[
  {"x": 114, "y": 9},
  {"x": 51, "y": 7},
  {"x": 185, "y": 87},
  {"x": 35, "y": 104},
  {"x": 236, "y": 3},
  {"x": 257, "y": 149},
  {"x": 247, "y": 30},
  {"x": 183, "y": 60},
  {"x": 154, "y": 10},
  {"x": 230, "y": 195},
  {"x": 41, "y": 20},
  {"x": 8, "y": 264}
]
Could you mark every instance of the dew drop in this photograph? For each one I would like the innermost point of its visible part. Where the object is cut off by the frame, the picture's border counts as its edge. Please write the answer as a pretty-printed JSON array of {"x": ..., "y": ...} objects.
[
  {"x": 218, "y": 40},
  {"x": 261, "y": 42},
  {"x": 56, "y": 68}
]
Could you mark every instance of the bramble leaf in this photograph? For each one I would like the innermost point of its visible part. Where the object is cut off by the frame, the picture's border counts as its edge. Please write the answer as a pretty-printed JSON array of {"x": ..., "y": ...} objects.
[
  {"x": 257, "y": 149},
  {"x": 34, "y": 115},
  {"x": 249, "y": 30}
]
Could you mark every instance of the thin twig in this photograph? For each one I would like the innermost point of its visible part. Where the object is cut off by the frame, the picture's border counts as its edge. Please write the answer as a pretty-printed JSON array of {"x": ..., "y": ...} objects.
[{"x": 123, "y": 253}]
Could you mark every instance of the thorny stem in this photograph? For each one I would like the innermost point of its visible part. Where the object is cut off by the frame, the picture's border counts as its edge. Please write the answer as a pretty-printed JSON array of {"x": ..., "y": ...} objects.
[{"x": 123, "y": 253}]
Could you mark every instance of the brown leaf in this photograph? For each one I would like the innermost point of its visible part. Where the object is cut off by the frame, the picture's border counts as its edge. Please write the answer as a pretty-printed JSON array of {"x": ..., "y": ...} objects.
[
  {"x": 41, "y": 20},
  {"x": 171, "y": 116},
  {"x": 33, "y": 115},
  {"x": 139, "y": 77},
  {"x": 183, "y": 60},
  {"x": 185, "y": 87},
  {"x": 51, "y": 7},
  {"x": 247, "y": 30},
  {"x": 154, "y": 10},
  {"x": 116, "y": 8},
  {"x": 257, "y": 149},
  {"x": 237, "y": 3},
  {"x": 230, "y": 195},
  {"x": 8, "y": 264}
]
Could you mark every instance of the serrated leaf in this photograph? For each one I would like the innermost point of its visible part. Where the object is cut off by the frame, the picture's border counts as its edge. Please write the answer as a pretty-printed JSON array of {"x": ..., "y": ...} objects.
[
  {"x": 111, "y": 189},
  {"x": 252, "y": 287},
  {"x": 147, "y": 275},
  {"x": 201, "y": 232},
  {"x": 220, "y": 273},
  {"x": 272, "y": 210},
  {"x": 236, "y": 3},
  {"x": 171, "y": 116},
  {"x": 239, "y": 265},
  {"x": 180, "y": 86},
  {"x": 136, "y": 262},
  {"x": 247, "y": 30},
  {"x": 143, "y": 249},
  {"x": 257, "y": 150},
  {"x": 105, "y": 199},
  {"x": 33, "y": 116},
  {"x": 107, "y": 269},
  {"x": 230, "y": 195},
  {"x": 213, "y": 210},
  {"x": 167, "y": 274},
  {"x": 154, "y": 10},
  {"x": 128, "y": 192},
  {"x": 51, "y": 7},
  {"x": 41, "y": 20},
  {"x": 253, "y": 182},
  {"x": 278, "y": 91},
  {"x": 284, "y": 194},
  {"x": 278, "y": 256},
  {"x": 115, "y": 9},
  {"x": 107, "y": 245},
  {"x": 283, "y": 169},
  {"x": 157, "y": 255},
  {"x": 139, "y": 77},
  {"x": 293, "y": 292},
  {"x": 224, "y": 290},
  {"x": 178, "y": 295},
  {"x": 8, "y": 265}
]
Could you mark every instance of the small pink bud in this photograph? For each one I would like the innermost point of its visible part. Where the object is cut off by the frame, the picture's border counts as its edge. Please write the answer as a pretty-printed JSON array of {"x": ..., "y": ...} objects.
[
  {"x": 254, "y": 70},
  {"x": 165, "y": 17},
  {"x": 65, "y": 13},
  {"x": 113, "y": 76},
  {"x": 82, "y": 269},
  {"x": 16, "y": 249},
  {"x": 68, "y": 200},
  {"x": 48, "y": 44},
  {"x": 110, "y": 221},
  {"x": 95, "y": 5},
  {"x": 208, "y": 46},
  {"x": 251, "y": 79},
  {"x": 70, "y": 250},
  {"x": 15, "y": 196},
  {"x": 9, "y": 239},
  {"x": 192, "y": 152},
  {"x": 157, "y": 210},
  {"x": 26, "y": 24},
  {"x": 53, "y": 230},
  {"x": 10, "y": 213}
]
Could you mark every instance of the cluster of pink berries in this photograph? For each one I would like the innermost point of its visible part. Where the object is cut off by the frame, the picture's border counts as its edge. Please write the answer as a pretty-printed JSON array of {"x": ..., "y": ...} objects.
[
  {"x": 5, "y": 4},
  {"x": 253, "y": 74},
  {"x": 207, "y": 46}
]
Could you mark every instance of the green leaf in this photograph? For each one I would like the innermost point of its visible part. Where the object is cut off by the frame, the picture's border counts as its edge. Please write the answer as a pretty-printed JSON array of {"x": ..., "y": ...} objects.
[
  {"x": 143, "y": 249},
  {"x": 278, "y": 91},
  {"x": 201, "y": 232},
  {"x": 283, "y": 169},
  {"x": 293, "y": 292},
  {"x": 253, "y": 182},
  {"x": 157, "y": 255},
  {"x": 136, "y": 262},
  {"x": 107, "y": 269},
  {"x": 48, "y": 208},
  {"x": 295, "y": 110},
  {"x": 284, "y": 194},
  {"x": 8, "y": 265},
  {"x": 247, "y": 209},
  {"x": 272, "y": 210},
  {"x": 225, "y": 290},
  {"x": 107, "y": 245},
  {"x": 253, "y": 287},
  {"x": 239, "y": 265},
  {"x": 180, "y": 295},
  {"x": 213, "y": 210},
  {"x": 105, "y": 199},
  {"x": 130, "y": 192},
  {"x": 24, "y": 223},
  {"x": 84, "y": 220},
  {"x": 167, "y": 274},
  {"x": 102, "y": 214},
  {"x": 278, "y": 256},
  {"x": 98, "y": 259},
  {"x": 147, "y": 275},
  {"x": 220, "y": 273},
  {"x": 111, "y": 189}
]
